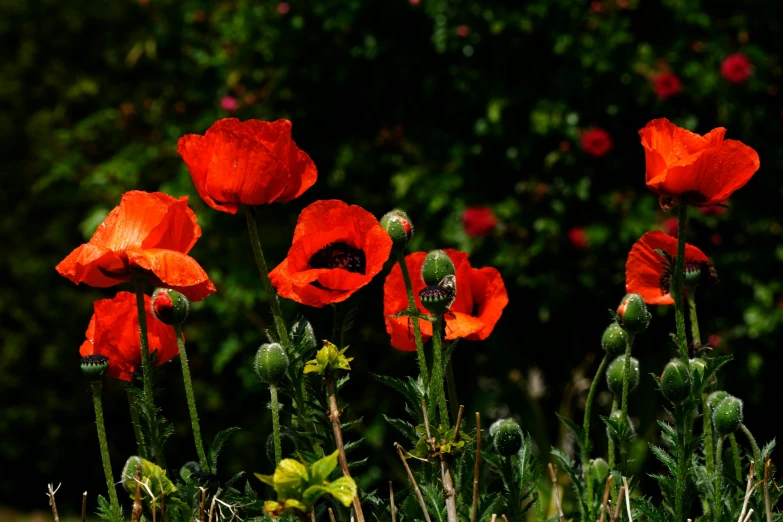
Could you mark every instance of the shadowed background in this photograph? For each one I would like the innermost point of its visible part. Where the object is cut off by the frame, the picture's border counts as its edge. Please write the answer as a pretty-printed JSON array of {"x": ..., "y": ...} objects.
[{"x": 432, "y": 106}]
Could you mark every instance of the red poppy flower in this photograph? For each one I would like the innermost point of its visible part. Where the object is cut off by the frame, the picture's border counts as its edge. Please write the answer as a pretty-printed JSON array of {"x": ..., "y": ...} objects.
[
  {"x": 114, "y": 332},
  {"x": 481, "y": 297},
  {"x": 478, "y": 221},
  {"x": 337, "y": 249},
  {"x": 735, "y": 68},
  {"x": 646, "y": 270},
  {"x": 596, "y": 142},
  {"x": 578, "y": 238},
  {"x": 699, "y": 170},
  {"x": 666, "y": 84},
  {"x": 151, "y": 232},
  {"x": 252, "y": 162}
]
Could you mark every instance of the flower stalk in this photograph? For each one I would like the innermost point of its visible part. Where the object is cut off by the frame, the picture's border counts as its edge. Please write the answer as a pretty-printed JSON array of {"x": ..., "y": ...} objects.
[
  {"x": 624, "y": 399},
  {"x": 406, "y": 277},
  {"x": 140, "y": 445},
  {"x": 436, "y": 382},
  {"x": 104, "y": 445},
  {"x": 191, "y": 399},
  {"x": 586, "y": 426},
  {"x": 276, "y": 424}
]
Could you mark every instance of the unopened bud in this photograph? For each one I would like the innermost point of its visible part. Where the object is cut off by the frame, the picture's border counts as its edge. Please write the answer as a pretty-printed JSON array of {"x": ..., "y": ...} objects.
[
  {"x": 727, "y": 415},
  {"x": 633, "y": 314},
  {"x": 614, "y": 340},
  {"x": 399, "y": 227},
  {"x": 599, "y": 470},
  {"x": 675, "y": 382},
  {"x": 698, "y": 369},
  {"x": 94, "y": 367},
  {"x": 436, "y": 266},
  {"x": 615, "y": 372},
  {"x": 271, "y": 363},
  {"x": 169, "y": 306},
  {"x": 617, "y": 417},
  {"x": 507, "y": 437},
  {"x": 715, "y": 398}
]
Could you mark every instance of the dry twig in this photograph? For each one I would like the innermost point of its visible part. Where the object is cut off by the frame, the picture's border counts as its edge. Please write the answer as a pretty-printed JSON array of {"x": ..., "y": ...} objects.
[
  {"x": 620, "y": 496},
  {"x": 748, "y": 490},
  {"x": 331, "y": 515},
  {"x": 627, "y": 498},
  {"x": 137, "y": 507},
  {"x": 553, "y": 476},
  {"x": 445, "y": 471},
  {"x": 607, "y": 490},
  {"x": 767, "y": 505},
  {"x": 52, "y": 503},
  {"x": 84, "y": 506},
  {"x": 391, "y": 502},
  {"x": 413, "y": 482}
]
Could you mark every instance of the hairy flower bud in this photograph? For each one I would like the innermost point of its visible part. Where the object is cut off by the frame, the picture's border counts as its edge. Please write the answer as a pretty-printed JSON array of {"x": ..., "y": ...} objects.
[
  {"x": 169, "y": 306},
  {"x": 599, "y": 470},
  {"x": 617, "y": 417},
  {"x": 436, "y": 266},
  {"x": 675, "y": 383},
  {"x": 715, "y": 398},
  {"x": 507, "y": 437},
  {"x": 633, "y": 314},
  {"x": 94, "y": 367},
  {"x": 271, "y": 363},
  {"x": 399, "y": 227},
  {"x": 727, "y": 415},
  {"x": 698, "y": 368},
  {"x": 615, "y": 372},
  {"x": 614, "y": 339}
]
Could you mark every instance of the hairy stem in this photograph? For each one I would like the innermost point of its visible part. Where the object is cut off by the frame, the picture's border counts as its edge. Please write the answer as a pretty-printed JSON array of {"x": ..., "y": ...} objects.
[
  {"x": 682, "y": 465},
  {"x": 274, "y": 303},
  {"x": 276, "y": 424},
  {"x": 183, "y": 358},
  {"x": 735, "y": 456},
  {"x": 624, "y": 401},
  {"x": 513, "y": 492},
  {"x": 691, "y": 296},
  {"x": 140, "y": 444},
  {"x": 756, "y": 450},
  {"x": 334, "y": 417},
  {"x": 677, "y": 284},
  {"x": 586, "y": 430},
  {"x": 436, "y": 383},
  {"x": 709, "y": 454},
  {"x": 718, "y": 478},
  {"x": 98, "y": 403},
  {"x": 611, "y": 451},
  {"x": 406, "y": 277}
]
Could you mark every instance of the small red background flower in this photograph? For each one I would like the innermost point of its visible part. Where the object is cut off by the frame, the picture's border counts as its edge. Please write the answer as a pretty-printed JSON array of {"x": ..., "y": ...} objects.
[
  {"x": 578, "y": 238},
  {"x": 666, "y": 84},
  {"x": 114, "y": 332},
  {"x": 337, "y": 249},
  {"x": 150, "y": 232},
  {"x": 735, "y": 68},
  {"x": 481, "y": 298},
  {"x": 478, "y": 221},
  {"x": 596, "y": 142},
  {"x": 252, "y": 162},
  {"x": 644, "y": 268},
  {"x": 703, "y": 170}
]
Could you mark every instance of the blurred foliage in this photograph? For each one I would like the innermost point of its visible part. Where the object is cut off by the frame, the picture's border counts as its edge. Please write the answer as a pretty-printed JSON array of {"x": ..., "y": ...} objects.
[{"x": 433, "y": 106}]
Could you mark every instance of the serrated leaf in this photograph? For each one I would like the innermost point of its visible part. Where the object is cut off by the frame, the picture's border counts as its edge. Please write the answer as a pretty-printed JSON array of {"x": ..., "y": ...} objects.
[
  {"x": 664, "y": 457},
  {"x": 217, "y": 446}
]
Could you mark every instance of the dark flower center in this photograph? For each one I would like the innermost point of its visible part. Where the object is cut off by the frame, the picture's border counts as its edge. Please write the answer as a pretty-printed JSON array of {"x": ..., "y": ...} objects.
[
  {"x": 696, "y": 273},
  {"x": 340, "y": 255}
]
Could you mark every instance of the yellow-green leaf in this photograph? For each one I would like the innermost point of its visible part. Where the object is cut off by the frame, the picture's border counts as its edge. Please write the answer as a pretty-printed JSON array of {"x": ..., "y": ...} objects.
[
  {"x": 289, "y": 478},
  {"x": 266, "y": 479},
  {"x": 321, "y": 469},
  {"x": 328, "y": 359},
  {"x": 343, "y": 489}
]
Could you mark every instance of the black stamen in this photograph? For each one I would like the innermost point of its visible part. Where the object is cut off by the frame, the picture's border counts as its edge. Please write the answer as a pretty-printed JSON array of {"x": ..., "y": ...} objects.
[{"x": 340, "y": 255}]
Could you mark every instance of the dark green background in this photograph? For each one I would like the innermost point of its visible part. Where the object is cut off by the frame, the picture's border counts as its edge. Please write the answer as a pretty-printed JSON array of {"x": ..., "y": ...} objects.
[{"x": 395, "y": 109}]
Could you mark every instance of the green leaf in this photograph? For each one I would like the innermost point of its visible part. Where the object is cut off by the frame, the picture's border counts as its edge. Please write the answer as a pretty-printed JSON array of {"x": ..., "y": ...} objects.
[
  {"x": 289, "y": 478},
  {"x": 313, "y": 493},
  {"x": 343, "y": 489},
  {"x": 328, "y": 359},
  {"x": 266, "y": 479},
  {"x": 217, "y": 446},
  {"x": 321, "y": 469}
]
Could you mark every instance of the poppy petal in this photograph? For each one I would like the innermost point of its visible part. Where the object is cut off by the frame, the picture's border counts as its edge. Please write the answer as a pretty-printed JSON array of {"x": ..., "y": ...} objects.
[
  {"x": 462, "y": 325},
  {"x": 178, "y": 228},
  {"x": 90, "y": 264},
  {"x": 490, "y": 292},
  {"x": 175, "y": 270},
  {"x": 196, "y": 151}
]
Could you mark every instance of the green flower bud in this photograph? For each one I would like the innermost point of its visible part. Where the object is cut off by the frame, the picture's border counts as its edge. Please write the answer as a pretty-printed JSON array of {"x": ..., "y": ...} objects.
[
  {"x": 615, "y": 372},
  {"x": 287, "y": 446},
  {"x": 271, "y": 363},
  {"x": 129, "y": 473},
  {"x": 614, "y": 339},
  {"x": 698, "y": 368},
  {"x": 169, "y": 306},
  {"x": 436, "y": 266},
  {"x": 617, "y": 417},
  {"x": 716, "y": 398},
  {"x": 399, "y": 227},
  {"x": 633, "y": 314},
  {"x": 727, "y": 415},
  {"x": 675, "y": 382},
  {"x": 599, "y": 470},
  {"x": 94, "y": 367},
  {"x": 507, "y": 437}
]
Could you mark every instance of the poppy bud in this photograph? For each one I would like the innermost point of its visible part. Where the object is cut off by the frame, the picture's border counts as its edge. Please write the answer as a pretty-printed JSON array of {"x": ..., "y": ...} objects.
[
  {"x": 436, "y": 266},
  {"x": 614, "y": 340},
  {"x": 615, "y": 372},
  {"x": 617, "y": 417},
  {"x": 716, "y": 398},
  {"x": 271, "y": 363},
  {"x": 169, "y": 306},
  {"x": 698, "y": 367},
  {"x": 633, "y": 314},
  {"x": 287, "y": 446},
  {"x": 507, "y": 437},
  {"x": 599, "y": 470},
  {"x": 727, "y": 415},
  {"x": 94, "y": 367},
  {"x": 399, "y": 227},
  {"x": 675, "y": 383}
]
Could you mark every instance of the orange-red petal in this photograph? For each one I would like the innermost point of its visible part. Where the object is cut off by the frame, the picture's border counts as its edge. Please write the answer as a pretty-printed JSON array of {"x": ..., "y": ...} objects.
[
  {"x": 174, "y": 270},
  {"x": 90, "y": 264}
]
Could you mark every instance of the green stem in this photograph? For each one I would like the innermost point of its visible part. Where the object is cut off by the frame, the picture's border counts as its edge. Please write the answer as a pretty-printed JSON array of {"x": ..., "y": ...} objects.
[
  {"x": 406, "y": 277},
  {"x": 735, "y": 455},
  {"x": 709, "y": 455},
  {"x": 451, "y": 386},
  {"x": 274, "y": 303},
  {"x": 611, "y": 451},
  {"x": 682, "y": 464},
  {"x": 97, "y": 402},
  {"x": 276, "y": 424},
  {"x": 624, "y": 400},
  {"x": 142, "y": 448},
  {"x": 513, "y": 491},
  {"x": 146, "y": 366},
  {"x": 677, "y": 284},
  {"x": 718, "y": 478},
  {"x": 586, "y": 431},
  {"x": 436, "y": 383},
  {"x": 756, "y": 451},
  {"x": 691, "y": 296},
  {"x": 183, "y": 358}
]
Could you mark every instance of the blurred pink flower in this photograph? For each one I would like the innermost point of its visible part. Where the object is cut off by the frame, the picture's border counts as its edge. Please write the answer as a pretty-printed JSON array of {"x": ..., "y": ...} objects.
[
  {"x": 578, "y": 238},
  {"x": 735, "y": 68},
  {"x": 463, "y": 31},
  {"x": 415, "y": 2},
  {"x": 596, "y": 6},
  {"x": 283, "y": 8},
  {"x": 714, "y": 340},
  {"x": 666, "y": 84},
  {"x": 596, "y": 142},
  {"x": 715, "y": 210},
  {"x": 229, "y": 103}
]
